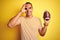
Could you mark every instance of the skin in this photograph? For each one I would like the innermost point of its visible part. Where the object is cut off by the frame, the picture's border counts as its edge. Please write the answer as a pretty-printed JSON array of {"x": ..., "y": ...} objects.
[{"x": 27, "y": 8}]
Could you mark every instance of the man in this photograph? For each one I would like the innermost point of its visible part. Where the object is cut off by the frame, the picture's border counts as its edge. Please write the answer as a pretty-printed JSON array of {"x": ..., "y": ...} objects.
[{"x": 30, "y": 25}]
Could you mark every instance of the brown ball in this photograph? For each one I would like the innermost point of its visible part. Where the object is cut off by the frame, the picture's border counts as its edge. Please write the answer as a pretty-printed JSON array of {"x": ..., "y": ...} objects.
[{"x": 46, "y": 16}]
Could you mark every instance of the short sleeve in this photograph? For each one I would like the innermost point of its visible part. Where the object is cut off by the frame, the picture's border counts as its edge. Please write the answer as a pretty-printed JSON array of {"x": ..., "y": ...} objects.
[
  {"x": 39, "y": 24},
  {"x": 20, "y": 20}
]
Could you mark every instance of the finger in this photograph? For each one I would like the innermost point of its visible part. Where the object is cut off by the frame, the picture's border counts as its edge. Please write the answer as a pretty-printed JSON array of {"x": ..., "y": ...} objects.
[
  {"x": 24, "y": 6},
  {"x": 46, "y": 21}
]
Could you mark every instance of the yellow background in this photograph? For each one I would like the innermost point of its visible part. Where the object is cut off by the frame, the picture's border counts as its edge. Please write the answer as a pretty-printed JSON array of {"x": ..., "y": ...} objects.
[{"x": 9, "y": 8}]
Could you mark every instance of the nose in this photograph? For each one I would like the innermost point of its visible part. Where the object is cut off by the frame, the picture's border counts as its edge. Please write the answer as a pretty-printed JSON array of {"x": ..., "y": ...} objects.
[{"x": 27, "y": 10}]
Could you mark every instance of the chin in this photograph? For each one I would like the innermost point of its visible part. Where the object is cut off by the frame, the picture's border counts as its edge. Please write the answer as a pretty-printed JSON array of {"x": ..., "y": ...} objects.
[{"x": 28, "y": 13}]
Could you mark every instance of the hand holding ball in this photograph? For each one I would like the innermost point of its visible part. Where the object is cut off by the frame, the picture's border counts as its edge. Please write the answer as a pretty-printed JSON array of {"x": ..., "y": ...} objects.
[{"x": 46, "y": 18}]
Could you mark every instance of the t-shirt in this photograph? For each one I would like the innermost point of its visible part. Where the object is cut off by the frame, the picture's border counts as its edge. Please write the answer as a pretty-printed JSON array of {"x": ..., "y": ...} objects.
[{"x": 29, "y": 28}]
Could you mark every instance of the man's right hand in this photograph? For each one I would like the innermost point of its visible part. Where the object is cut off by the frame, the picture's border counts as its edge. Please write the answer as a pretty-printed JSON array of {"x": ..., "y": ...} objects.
[
  {"x": 23, "y": 8},
  {"x": 15, "y": 20}
]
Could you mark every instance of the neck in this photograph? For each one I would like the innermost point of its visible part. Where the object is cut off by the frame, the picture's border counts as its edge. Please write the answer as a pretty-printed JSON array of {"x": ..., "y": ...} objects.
[{"x": 29, "y": 16}]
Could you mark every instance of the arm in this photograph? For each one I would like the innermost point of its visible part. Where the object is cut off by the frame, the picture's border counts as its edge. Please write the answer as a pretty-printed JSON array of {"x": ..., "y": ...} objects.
[
  {"x": 43, "y": 30},
  {"x": 15, "y": 20}
]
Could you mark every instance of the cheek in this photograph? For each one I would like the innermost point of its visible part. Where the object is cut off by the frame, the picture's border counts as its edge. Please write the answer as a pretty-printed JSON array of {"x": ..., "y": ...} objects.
[{"x": 30, "y": 10}]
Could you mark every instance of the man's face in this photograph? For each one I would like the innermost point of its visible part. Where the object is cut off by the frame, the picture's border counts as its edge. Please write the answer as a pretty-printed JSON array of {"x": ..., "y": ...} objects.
[{"x": 28, "y": 8}]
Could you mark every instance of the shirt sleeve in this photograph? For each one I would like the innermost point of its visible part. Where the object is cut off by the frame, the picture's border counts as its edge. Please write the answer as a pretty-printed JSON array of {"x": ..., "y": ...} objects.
[
  {"x": 20, "y": 20},
  {"x": 39, "y": 24}
]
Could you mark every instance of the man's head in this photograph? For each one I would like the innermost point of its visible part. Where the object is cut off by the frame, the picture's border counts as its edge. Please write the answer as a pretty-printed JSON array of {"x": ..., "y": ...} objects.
[{"x": 28, "y": 8}]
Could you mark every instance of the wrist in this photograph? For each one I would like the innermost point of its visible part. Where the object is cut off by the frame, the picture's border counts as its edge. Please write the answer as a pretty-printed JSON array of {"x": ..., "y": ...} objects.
[{"x": 45, "y": 24}]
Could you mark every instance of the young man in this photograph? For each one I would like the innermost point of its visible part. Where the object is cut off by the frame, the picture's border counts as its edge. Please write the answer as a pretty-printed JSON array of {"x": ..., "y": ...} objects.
[{"x": 30, "y": 25}]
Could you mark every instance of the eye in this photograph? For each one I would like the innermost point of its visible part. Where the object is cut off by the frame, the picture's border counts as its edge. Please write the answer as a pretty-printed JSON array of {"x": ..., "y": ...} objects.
[
  {"x": 25, "y": 8},
  {"x": 30, "y": 8}
]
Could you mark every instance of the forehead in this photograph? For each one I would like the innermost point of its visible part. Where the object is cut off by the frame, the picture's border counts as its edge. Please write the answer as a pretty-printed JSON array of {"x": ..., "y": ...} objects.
[{"x": 28, "y": 5}]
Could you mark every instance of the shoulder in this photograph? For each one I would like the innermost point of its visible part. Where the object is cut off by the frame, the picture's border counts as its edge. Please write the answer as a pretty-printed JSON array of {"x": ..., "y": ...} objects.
[
  {"x": 21, "y": 17},
  {"x": 37, "y": 19}
]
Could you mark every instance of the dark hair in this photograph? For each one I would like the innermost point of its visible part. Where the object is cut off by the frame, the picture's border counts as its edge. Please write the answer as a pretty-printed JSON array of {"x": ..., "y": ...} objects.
[{"x": 29, "y": 3}]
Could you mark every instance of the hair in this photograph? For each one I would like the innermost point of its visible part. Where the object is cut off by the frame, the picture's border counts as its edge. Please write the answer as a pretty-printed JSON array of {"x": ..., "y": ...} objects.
[{"x": 29, "y": 3}]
